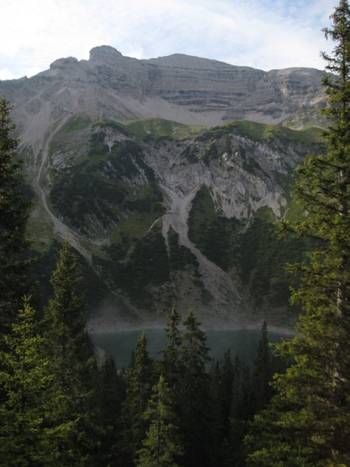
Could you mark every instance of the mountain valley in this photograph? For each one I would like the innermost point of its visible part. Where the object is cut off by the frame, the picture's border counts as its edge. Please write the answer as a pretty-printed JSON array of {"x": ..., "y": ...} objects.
[{"x": 167, "y": 176}]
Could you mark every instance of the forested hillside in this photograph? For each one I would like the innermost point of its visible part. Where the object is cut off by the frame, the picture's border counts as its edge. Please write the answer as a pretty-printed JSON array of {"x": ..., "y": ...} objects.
[{"x": 166, "y": 213}]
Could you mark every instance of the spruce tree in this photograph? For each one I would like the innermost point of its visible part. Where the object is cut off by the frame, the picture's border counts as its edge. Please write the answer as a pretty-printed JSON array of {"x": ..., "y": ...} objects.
[
  {"x": 162, "y": 446},
  {"x": 28, "y": 388},
  {"x": 13, "y": 218},
  {"x": 139, "y": 385},
  {"x": 308, "y": 421},
  {"x": 226, "y": 392},
  {"x": 73, "y": 363},
  {"x": 221, "y": 394},
  {"x": 194, "y": 397},
  {"x": 171, "y": 363},
  {"x": 111, "y": 393},
  {"x": 242, "y": 411},
  {"x": 262, "y": 375}
]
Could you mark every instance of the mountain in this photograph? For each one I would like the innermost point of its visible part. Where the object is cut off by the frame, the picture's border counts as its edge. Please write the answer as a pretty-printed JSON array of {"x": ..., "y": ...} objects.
[
  {"x": 180, "y": 88},
  {"x": 140, "y": 166}
]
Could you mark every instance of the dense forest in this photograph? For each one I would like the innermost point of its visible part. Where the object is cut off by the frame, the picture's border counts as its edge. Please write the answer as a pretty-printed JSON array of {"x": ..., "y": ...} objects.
[{"x": 60, "y": 405}]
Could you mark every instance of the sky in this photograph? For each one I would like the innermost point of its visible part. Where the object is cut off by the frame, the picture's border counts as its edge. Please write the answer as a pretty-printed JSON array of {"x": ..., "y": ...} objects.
[{"x": 265, "y": 34}]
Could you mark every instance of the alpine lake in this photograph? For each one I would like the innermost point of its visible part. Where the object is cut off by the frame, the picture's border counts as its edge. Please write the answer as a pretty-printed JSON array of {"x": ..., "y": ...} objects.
[{"x": 242, "y": 343}]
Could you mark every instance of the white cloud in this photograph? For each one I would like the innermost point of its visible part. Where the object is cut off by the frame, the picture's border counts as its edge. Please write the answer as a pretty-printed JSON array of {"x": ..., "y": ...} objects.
[
  {"x": 261, "y": 33},
  {"x": 6, "y": 74}
]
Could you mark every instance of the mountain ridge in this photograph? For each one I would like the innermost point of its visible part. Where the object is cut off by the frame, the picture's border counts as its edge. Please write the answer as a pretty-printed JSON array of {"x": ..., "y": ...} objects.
[
  {"x": 178, "y": 87},
  {"x": 157, "y": 174},
  {"x": 166, "y": 212}
]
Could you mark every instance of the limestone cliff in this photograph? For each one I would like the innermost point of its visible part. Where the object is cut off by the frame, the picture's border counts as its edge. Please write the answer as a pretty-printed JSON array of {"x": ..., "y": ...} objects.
[{"x": 140, "y": 166}]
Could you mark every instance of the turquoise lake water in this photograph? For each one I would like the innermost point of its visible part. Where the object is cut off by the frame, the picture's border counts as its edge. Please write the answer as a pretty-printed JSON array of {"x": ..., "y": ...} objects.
[{"x": 242, "y": 342}]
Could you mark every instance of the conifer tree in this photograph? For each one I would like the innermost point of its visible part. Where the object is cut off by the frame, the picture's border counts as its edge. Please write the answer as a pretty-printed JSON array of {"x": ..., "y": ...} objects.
[
  {"x": 226, "y": 392},
  {"x": 308, "y": 421},
  {"x": 221, "y": 394},
  {"x": 140, "y": 381},
  {"x": 262, "y": 376},
  {"x": 66, "y": 321},
  {"x": 171, "y": 364},
  {"x": 111, "y": 393},
  {"x": 195, "y": 403},
  {"x": 242, "y": 411},
  {"x": 73, "y": 364},
  {"x": 13, "y": 218},
  {"x": 162, "y": 446},
  {"x": 28, "y": 387}
]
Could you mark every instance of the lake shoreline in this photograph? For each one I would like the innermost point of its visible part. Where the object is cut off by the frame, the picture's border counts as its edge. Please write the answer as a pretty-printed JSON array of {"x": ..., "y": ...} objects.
[
  {"x": 242, "y": 342},
  {"x": 150, "y": 326}
]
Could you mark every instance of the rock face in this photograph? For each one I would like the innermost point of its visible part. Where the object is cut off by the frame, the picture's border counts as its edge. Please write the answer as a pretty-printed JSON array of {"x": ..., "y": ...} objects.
[
  {"x": 169, "y": 214},
  {"x": 179, "y": 88},
  {"x": 166, "y": 208}
]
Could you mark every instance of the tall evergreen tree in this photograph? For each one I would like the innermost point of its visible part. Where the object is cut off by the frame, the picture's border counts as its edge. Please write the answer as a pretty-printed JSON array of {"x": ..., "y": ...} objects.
[
  {"x": 262, "y": 376},
  {"x": 74, "y": 365},
  {"x": 28, "y": 388},
  {"x": 195, "y": 403},
  {"x": 162, "y": 446},
  {"x": 308, "y": 421},
  {"x": 140, "y": 381},
  {"x": 226, "y": 392},
  {"x": 242, "y": 411},
  {"x": 221, "y": 394},
  {"x": 171, "y": 362},
  {"x": 111, "y": 393},
  {"x": 13, "y": 218}
]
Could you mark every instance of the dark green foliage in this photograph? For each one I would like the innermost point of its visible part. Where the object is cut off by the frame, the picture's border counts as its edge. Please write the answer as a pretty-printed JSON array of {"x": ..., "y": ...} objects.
[
  {"x": 13, "y": 218},
  {"x": 111, "y": 393},
  {"x": 262, "y": 260},
  {"x": 58, "y": 412},
  {"x": 181, "y": 258},
  {"x": 162, "y": 445},
  {"x": 256, "y": 251},
  {"x": 215, "y": 235},
  {"x": 140, "y": 380},
  {"x": 43, "y": 264},
  {"x": 238, "y": 393},
  {"x": 307, "y": 422},
  {"x": 263, "y": 370},
  {"x": 242, "y": 411},
  {"x": 202, "y": 213},
  {"x": 73, "y": 364},
  {"x": 138, "y": 265},
  {"x": 171, "y": 361},
  {"x": 194, "y": 395},
  {"x": 97, "y": 144},
  {"x": 27, "y": 386},
  {"x": 214, "y": 408},
  {"x": 184, "y": 364},
  {"x": 84, "y": 191},
  {"x": 97, "y": 187},
  {"x": 222, "y": 378}
]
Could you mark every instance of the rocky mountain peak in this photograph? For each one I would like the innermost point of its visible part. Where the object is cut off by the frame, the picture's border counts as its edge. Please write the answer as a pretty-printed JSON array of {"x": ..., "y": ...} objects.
[
  {"x": 63, "y": 62},
  {"x": 182, "y": 88},
  {"x": 104, "y": 54}
]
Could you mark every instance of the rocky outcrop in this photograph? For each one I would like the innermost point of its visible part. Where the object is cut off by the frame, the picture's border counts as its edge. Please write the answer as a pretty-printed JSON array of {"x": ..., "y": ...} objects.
[
  {"x": 128, "y": 165},
  {"x": 179, "y": 88}
]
